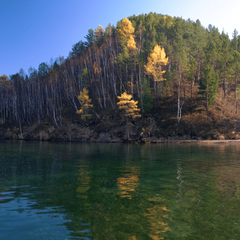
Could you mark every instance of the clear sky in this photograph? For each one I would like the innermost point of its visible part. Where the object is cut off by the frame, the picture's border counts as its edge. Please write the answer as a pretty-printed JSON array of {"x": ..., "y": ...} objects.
[{"x": 34, "y": 31}]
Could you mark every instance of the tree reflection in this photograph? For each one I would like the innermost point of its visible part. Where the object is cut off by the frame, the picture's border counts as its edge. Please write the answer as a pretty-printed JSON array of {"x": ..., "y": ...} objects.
[
  {"x": 100, "y": 196},
  {"x": 83, "y": 179},
  {"x": 156, "y": 216},
  {"x": 128, "y": 182}
]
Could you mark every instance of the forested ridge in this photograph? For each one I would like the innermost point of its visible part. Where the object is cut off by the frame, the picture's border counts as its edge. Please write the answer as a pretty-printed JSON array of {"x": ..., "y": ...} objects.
[{"x": 184, "y": 78}]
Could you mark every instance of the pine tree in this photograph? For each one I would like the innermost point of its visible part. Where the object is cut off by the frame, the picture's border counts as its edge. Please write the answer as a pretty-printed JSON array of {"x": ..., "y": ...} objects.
[
  {"x": 235, "y": 64},
  {"x": 225, "y": 58},
  {"x": 236, "y": 74},
  {"x": 209, "y": 86},
  {"x": 147, "y": 95}
]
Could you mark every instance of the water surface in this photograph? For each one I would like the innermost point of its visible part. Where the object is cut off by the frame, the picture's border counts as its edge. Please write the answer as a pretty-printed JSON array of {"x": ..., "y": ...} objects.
[{"x": 117, "y": 191}]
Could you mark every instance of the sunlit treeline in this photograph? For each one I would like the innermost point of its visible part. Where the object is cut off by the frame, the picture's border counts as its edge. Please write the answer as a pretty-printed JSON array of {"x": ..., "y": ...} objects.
[{"x": 114, "y": 60}]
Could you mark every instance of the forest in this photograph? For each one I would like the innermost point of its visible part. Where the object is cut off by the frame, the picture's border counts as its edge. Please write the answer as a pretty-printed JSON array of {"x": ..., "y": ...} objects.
[{"x": 182, "y": 80}]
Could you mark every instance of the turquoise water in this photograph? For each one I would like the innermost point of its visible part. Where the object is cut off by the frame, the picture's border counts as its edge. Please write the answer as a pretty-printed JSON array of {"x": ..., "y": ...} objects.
[{"x": 117, "y": 191}]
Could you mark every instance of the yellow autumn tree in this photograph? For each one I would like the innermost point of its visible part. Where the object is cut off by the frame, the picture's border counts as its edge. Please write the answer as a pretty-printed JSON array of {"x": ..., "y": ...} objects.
[
  {"x": 3, "y": 78},
  {"x": 99, "y": 31},
  {"x": 127, "y": 57},
  {"x": 99, "y": 34},
  {"x": 156, "y": 61},
  {"x": 86, "y": 105},
  {"x": 168, "y": 20},
  {"x": 129, "y": 108},
  {"x": 126, "y": 32},
  {"x": 5, "y": 82}
]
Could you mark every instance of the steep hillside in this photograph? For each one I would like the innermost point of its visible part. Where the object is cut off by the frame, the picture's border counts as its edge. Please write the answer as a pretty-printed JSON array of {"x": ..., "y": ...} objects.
[{"x": 184, "y": 79}]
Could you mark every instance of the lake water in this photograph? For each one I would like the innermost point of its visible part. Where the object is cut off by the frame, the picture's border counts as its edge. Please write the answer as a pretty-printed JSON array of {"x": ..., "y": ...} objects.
[{"x": 117, "y": 191}]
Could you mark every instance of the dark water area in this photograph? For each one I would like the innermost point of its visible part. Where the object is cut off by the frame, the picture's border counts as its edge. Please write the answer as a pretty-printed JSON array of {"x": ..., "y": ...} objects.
[{"x": 118, "y": 191}]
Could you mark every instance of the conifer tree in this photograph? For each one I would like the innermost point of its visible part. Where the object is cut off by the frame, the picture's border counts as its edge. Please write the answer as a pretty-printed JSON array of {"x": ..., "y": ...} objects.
[
  {"x": 209, "y": 86},
  {"x": 235, "y": 64},
  {"x": 147, "y": 95},
  {"x": 99, "y": 35},
  {"x": 129, "y": 108},
  {"x": 126, "y": 31},
  {"x": 236, "y": 74},
  {"x": 156, "y": 61},
  {"x": 127, "y": 58},
  {"x": 225, "y": 58},
  {"x": 86, "y": 105}
]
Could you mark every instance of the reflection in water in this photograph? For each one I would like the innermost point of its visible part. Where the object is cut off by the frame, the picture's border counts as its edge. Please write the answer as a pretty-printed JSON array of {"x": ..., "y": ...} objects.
[
  {"x": 80, "y": 215},
  {"x": 227, "y": 179},
  {"x": 156, "y": 216},
  {"x": 129, "y": 182},
  {"x": 6, "y": 196},
  {"x": 237, "y": 186},
  {"x": 179, "y": 178},
  {"x": 83, "y": 179},
  {"x": 132, "y": 238},
  {"x": 54, "y": 194}
]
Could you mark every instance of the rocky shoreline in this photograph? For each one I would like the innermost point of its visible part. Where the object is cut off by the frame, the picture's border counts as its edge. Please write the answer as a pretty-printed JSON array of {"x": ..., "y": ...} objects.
[
  {"x": 74, "y": 133},
  {"x": 148, "y": 129}
]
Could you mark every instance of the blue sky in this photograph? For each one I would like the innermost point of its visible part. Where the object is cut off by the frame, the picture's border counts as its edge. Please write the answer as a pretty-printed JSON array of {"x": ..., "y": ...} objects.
[{"x": 34, "y": 31}]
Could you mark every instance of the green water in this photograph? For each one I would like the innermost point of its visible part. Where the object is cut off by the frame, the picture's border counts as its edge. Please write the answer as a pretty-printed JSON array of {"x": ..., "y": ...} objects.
[{"x": 116, "y": 191}]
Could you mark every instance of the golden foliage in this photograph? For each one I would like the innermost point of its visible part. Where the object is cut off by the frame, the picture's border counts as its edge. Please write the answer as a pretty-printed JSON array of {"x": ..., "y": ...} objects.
[
  {"x": 156, "y": 60},
  {"x": 5, "y": 82},
  {"x": 126, "y": 29},
  {"x": 128, "y": 105},
  {"x": 99, "y": 31},
  {"x": 167, "y": 17},
  {"x": 96, "y": 68},
  {"x": 168, "y": 20},
  {"x": 132, "y": 238},
  {"x": 85, "y": 102},
  {"x": 3, "y": 77},
  {"x": 131, "y": 44}
]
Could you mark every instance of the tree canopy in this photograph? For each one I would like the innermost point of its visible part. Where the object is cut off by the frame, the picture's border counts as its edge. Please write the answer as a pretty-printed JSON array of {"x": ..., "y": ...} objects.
[
  {"x": 156, "y": 61},
  {"x": 143, "y": 55}
]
